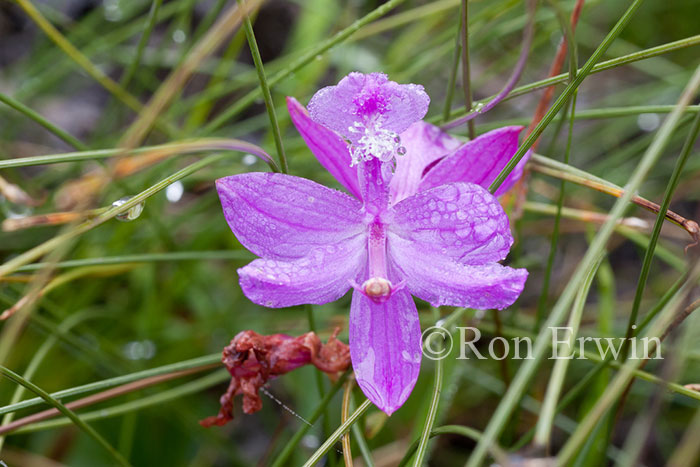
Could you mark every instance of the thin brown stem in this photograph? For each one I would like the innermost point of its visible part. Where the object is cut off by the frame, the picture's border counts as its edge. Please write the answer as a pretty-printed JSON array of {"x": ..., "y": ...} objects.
[{"x": 688, "y": 225}]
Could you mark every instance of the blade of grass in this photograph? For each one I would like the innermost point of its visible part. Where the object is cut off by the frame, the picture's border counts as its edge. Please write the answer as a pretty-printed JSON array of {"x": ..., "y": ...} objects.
[
  {"x": 432, "y": 411},
  {"x": 299, "y": 434},
  {"x": 621, "y": 380},
  {"x": 202, "y": 362},
  {"x": 59, "y": 132},
  {"x": 161, "y": 397},
  {"x": 342, "y": 429},
  {"x": 265, "y": 89},
  {"x": 543, "y": 430},
  {"x": 143, "y": 40},
  {"x": 67, "y": 412},
  {"x": 656, "y": 231},
  {"x": 542, "y": 302}
]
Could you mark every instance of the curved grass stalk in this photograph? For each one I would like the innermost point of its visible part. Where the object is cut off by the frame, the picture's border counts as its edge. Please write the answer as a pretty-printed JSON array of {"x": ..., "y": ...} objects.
[
  {"x": 342, "y": 429},
  {"x": 432, "y": 413},
  {"x": 67, "y": 412},
  {"x": 528, "y": 34},
  {"x": 345, "y": 411},
  {"x": 38, "y": 358},
  {"x": 148, "y": 154}
]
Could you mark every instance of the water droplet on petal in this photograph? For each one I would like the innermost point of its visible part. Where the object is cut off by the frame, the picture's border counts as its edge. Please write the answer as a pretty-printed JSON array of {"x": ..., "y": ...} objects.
[
  {"x": 132, "y": 213},
  {"x": 401, "y": 151}
]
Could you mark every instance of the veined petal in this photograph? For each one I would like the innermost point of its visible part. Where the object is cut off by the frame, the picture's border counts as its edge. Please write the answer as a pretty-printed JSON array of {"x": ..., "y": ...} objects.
[
  {"x": 385, "y": 348},
  {"x": 370, "y": 111},
  {"x": 360, "y": 98},
  {"x": 424, "y": 144},
  {"x": 284, "y": 217},
  {"x": 440, "y": 280},
  {"x": 479, "y": 161},
  {"x": 460, "y": 221},
  {"x": 330, "y": 149},
  {"x": 323, "y": 275}
]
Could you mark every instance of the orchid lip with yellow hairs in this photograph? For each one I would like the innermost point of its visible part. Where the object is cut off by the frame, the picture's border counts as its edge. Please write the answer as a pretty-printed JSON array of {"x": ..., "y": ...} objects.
[{"x": 418, "y": 220}]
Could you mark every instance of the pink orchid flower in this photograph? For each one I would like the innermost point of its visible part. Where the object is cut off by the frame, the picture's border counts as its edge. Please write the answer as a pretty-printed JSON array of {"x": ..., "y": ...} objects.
[{"x": 418, "y": 221}]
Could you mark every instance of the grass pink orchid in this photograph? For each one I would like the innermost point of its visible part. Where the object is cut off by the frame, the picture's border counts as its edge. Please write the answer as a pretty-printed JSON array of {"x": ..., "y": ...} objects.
[{"x": 418, "y": 221}]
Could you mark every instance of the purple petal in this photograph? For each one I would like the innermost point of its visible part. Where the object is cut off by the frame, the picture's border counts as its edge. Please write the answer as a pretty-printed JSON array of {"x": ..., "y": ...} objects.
[
  {"x": 424, "y": 143},
  {"x": 461, "y": 221},
  {"x": 365, "y": 98},
  {"x": 441, "y": 280},
  {"x": 322, "y": 276},
  {"x": 283, "y": 217},
  {"x": 385, "y": 347},
  {"x": 479, "y": 161},
  {"x": 329, "y": 148}
]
